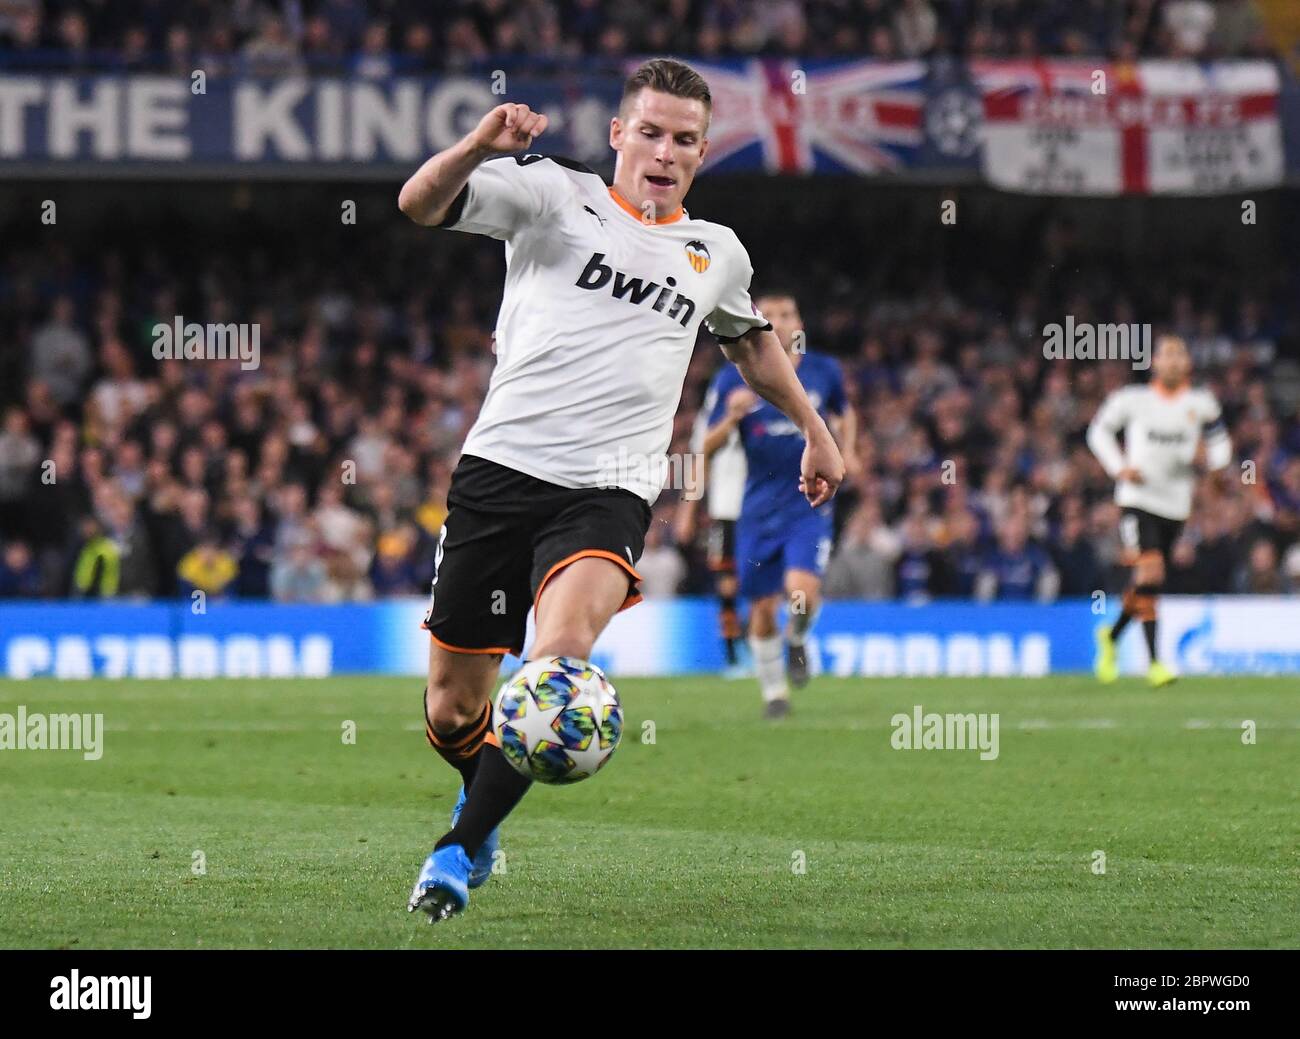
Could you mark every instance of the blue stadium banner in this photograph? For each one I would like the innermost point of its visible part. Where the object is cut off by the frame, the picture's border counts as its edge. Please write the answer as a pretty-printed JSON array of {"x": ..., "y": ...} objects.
[
  {"x": 161, "y": 124},
  {"x": 771, "y": 115},
  {"x": 1230, "y": 635},
  {"x": 907, "y": 118}
]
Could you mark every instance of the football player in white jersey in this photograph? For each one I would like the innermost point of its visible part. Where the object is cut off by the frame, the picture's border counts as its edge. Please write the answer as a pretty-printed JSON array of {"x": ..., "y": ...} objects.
[
  {"x": 605, "y": 290},
  {"x": 724, "y": 480},
  {"x": 1163, "y": 423}
]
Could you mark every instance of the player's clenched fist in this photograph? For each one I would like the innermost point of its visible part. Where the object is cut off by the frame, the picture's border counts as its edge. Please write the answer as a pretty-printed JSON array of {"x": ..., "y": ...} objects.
[
  {"x": 508, "y": 128},
  {"x": 429, "y": 193},
  {"x": 822, "y": 469}
]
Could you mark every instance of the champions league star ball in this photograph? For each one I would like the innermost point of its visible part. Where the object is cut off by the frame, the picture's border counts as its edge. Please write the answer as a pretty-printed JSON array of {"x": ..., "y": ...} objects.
[{"x": 558, "y": 720}]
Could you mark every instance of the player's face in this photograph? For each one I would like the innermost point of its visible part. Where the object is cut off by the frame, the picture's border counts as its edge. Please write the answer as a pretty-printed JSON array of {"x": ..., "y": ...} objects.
[
  {"x": 1171, "y": 362},
  {"x": 660, "y": 140},
  {"x": 783, "y": 312}
]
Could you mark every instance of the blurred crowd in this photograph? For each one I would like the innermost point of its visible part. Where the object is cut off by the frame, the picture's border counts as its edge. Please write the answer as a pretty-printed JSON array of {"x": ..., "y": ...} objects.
[
  {"x": 322, "y": 474},
  {"x": 379, "y": 38}
]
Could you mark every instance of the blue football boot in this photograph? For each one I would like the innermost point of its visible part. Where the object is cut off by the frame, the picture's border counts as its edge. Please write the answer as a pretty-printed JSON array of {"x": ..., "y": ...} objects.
[
  {"x": 442, "y": 888},
  {"x": 482, "y": 868}
]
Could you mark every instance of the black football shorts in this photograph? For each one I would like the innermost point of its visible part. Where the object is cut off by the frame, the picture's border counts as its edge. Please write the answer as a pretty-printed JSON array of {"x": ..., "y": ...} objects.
[
  {"x": 1141, "y": 531},
  {"x": 506, "y": 534}
]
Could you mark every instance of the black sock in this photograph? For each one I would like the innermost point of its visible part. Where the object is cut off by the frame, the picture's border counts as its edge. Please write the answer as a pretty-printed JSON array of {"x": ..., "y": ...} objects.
[
  {"x": 730, "y": 626},
  {"x": 1148, "y": 593},
  {"x": 1121, "y": 624},
  {"x": 497, "y": 789},
  {"x": 461, "y": 748}
]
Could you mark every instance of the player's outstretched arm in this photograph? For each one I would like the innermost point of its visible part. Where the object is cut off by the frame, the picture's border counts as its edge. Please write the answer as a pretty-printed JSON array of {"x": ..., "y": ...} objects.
[
  {"x": 764, "y": 366},
  {"x": 427, "y": 196}
]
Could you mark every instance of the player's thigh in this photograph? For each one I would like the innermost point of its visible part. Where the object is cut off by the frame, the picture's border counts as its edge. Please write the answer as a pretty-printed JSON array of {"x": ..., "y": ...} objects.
[
  {"x": 576, "y": 604},
  {"x": 459, "y": 684},
  {"x": 584, "y": 569}
]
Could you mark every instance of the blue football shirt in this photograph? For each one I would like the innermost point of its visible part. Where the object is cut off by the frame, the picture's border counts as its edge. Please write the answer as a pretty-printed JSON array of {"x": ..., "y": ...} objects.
[{"x": 773, "y": 444}]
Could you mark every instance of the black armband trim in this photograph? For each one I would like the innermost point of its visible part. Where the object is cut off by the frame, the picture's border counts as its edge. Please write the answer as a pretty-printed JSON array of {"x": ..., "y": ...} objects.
[{"x": 735, "y": 339}]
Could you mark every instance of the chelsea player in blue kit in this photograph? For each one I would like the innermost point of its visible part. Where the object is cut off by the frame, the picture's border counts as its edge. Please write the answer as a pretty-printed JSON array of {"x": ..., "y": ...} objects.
[{"x": 782, "y": 543}]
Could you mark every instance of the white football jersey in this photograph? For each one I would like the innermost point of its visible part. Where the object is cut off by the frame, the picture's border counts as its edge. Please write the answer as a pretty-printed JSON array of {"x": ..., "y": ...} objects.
[
  {"x": 728, "y": 467},
  {"x": 1161, "y": 432},
  {"x": 597, "y": 323}
]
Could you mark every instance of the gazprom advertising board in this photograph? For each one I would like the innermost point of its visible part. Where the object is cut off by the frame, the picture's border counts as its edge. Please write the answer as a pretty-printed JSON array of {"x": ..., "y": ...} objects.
[{"x": 1242, "y": 635}]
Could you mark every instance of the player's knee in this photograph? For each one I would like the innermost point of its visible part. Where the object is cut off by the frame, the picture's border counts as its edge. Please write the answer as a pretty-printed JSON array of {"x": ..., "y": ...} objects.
[
  {"x": 804, "y": 600},
  {"x": 450, "y": 704}
]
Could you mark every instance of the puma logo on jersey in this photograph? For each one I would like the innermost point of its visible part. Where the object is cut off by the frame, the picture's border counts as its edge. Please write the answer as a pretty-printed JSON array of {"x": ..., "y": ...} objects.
[
  {"x": 595, "y": 214},
  {"x": 596, "y": 276}
]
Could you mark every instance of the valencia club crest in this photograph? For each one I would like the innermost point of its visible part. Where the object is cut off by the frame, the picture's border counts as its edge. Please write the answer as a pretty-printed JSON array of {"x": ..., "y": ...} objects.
[{"x": 698, "y": 253}]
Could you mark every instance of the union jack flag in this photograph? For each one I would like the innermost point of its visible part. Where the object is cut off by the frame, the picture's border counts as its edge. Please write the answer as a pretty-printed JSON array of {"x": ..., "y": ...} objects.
[{"x": 862, "y": 117}]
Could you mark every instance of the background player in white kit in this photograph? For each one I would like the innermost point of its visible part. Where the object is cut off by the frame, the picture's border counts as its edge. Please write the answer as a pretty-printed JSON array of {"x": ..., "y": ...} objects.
[
  {"x": 1155, "y": 472},
  {"x": 724, "y": 479},
  {"x": 605, "y": 291}
]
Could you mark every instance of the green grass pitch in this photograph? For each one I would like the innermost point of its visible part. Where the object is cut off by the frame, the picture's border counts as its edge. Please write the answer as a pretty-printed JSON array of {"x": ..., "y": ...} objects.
[{"x": 692, "y": 840}]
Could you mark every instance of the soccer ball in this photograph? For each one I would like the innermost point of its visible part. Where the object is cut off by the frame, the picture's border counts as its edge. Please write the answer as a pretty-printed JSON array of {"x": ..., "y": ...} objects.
[{"x": 558, "y": 720}]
